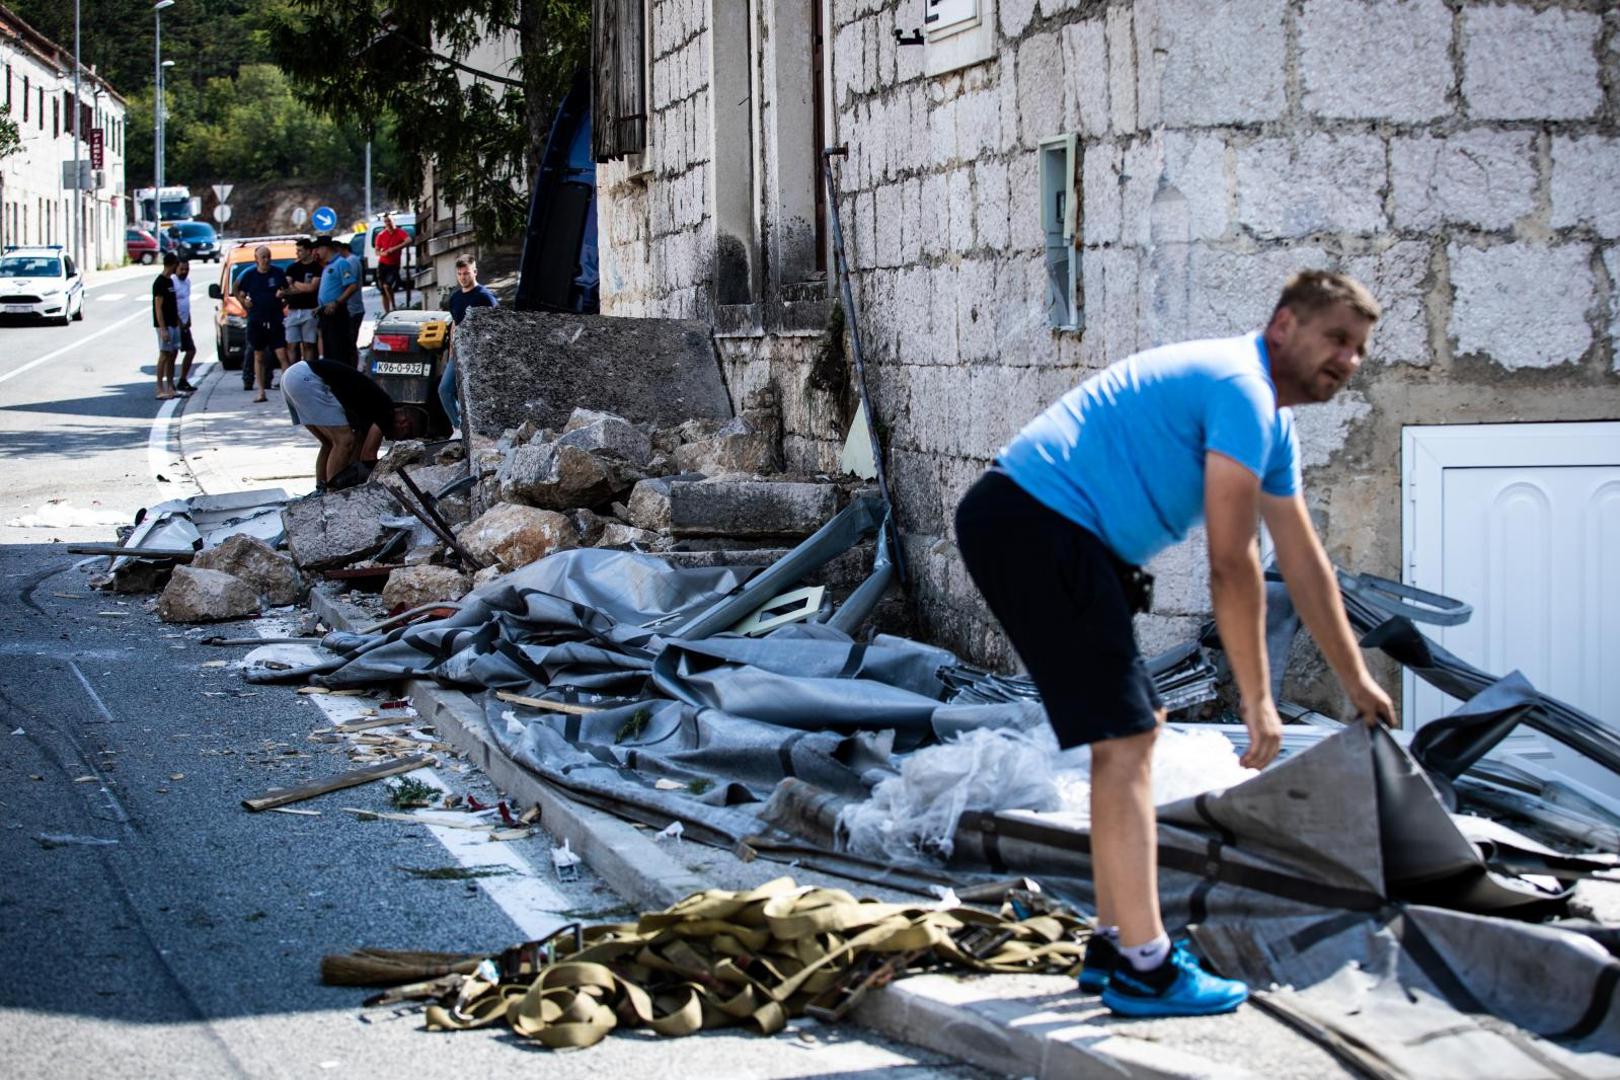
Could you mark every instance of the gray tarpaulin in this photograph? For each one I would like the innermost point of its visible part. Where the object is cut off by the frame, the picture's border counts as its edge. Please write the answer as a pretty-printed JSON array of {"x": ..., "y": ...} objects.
[{"x": 1337, "y": 873}]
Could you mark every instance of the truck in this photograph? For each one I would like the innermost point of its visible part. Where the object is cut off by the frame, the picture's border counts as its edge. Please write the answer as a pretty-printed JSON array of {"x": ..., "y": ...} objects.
[{"x": 157, "y": 207}]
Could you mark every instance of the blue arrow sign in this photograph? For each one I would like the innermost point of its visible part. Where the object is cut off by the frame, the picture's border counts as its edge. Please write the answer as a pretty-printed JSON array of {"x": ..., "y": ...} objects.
[{"x": 324, "y": 219}]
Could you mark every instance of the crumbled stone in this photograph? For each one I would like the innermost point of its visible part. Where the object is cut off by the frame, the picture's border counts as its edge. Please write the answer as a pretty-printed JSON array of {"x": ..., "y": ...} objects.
[
  {"x": 487, "y": 575},
  {"x": 271, "y": 574},
  {"x": 400, "y": 454},
  {"x": 618, "y": 534},
  {"x": 561, "y": 477},
  {"x": 337, "y": 528},
  {"x": 196, "y": 595},
  {"x": 736, "y": 448},
  {"x": 414, "y": 586},
  {"x": 588, "y": 525},
  {"x": 517, "y": 535},
  {"x": 604, "y": 434}
]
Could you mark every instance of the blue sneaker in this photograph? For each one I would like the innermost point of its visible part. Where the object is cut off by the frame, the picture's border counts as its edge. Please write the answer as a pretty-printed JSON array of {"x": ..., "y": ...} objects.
[
  {"x": 1102, "y": 957},
  {"x": 1177, "y": 987}
]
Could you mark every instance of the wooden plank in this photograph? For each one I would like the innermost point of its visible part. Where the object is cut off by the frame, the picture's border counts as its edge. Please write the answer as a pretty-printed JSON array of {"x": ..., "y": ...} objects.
[
  {"x": 272, "y": 799},
  {"x": 373, "y": 722},
  {"x": 549, "y": 706}
]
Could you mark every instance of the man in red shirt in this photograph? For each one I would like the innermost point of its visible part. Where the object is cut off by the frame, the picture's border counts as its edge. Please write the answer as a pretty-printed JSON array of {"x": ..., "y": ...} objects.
[{"x": 389, "y": 244}]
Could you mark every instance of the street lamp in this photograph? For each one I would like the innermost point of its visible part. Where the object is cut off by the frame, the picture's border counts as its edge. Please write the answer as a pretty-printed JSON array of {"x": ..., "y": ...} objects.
[{"x": 158, "y": 65}]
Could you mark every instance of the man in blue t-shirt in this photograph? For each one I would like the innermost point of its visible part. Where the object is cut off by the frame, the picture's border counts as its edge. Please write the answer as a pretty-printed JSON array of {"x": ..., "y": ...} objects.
[
  {"x": 260, "y": 289},
  {"x": 467, "y": 295},
  {"x": 1054, "y": 536},
  {"x": 338, "y": 283}
]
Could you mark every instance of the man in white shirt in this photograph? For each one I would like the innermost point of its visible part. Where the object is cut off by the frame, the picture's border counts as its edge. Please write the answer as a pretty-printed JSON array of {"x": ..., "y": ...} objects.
[{"x": 188, "y": 345}]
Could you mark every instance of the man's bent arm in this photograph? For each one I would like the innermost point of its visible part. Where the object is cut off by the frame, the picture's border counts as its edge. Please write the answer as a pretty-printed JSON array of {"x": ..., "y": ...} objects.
[
  {"x": 1237, "y": 589},
  {"x": 1315, "y": 592}
]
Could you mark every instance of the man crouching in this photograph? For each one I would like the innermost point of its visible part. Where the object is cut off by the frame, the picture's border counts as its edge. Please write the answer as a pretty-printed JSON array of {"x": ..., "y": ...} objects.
[{"x": 350, "y": 416}]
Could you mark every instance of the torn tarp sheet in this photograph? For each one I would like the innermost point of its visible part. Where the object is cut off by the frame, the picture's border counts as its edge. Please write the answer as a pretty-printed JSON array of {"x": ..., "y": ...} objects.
[{"x": 205, "y": 521}]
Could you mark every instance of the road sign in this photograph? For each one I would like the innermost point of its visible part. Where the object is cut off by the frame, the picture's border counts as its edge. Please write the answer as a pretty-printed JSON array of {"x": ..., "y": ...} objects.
[
  {"x": 97, "y": 144},
  {"x": 222, "y": 192},
  {"x": 222, "y": 213},
  {"x": 324, "y": 219},
  {"x": 299, "y": 216},
  {"x": 81, "y": 179}
]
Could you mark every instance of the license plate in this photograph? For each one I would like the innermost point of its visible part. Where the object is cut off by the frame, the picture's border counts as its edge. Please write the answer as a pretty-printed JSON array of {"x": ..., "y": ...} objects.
[
  {"x": 19, "y": 309},
  {"x": 396, "y": 367}
]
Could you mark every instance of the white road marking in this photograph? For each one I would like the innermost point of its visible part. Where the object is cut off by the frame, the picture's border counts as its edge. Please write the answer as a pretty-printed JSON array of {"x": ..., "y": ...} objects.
[
  {"x": 107, "y": 297},
  {"x": 159, "y": 455},
  {"x": 524, "y": 895},
  {"x": 32, "y": 364}
]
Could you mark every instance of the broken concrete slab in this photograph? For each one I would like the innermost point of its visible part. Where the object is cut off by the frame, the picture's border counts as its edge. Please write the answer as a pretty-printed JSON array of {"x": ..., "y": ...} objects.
[
  {"x": 738, "y": 447},
  {"x": 532, "y": 365},
  {"x": 340, "y": 527},
  {"x": 204, "y": 596},
  {"x": 559, "y": 477},
  {"x": 618, "y": 534},
  {"x": 732, "y": 507},
  {"x": 271, "y": 574},
  {"x": 607, "y": 434},
  {"x": 414, "y": 586},
  {"x": 516, "y": 535}
]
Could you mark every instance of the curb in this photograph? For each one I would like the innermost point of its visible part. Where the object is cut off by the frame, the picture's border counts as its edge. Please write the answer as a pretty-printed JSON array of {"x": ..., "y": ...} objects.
[{"x": 942, "y": 1013}]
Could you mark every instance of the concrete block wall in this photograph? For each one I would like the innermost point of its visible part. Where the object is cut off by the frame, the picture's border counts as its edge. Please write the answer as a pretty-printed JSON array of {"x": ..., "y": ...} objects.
[{"x": 1460, "y": 157}]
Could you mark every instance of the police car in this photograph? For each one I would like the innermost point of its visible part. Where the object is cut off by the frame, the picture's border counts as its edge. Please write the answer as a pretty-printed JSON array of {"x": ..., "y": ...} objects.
[{"x": 42, "y": 282}]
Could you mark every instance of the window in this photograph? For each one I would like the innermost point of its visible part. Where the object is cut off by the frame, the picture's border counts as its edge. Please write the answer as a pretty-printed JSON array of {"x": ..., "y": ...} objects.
[
  {"x": 56, "y": 118},
  {"x": 957, "y": 33},
  {"x": 25, "y": 99},
  {"x": 8, "y": 88},
  {"x": 41, "y": 93},
  {"x": 619, "y": 82}
]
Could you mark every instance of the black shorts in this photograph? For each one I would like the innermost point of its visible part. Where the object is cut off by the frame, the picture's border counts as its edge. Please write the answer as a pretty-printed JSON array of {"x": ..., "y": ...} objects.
[
  {"x": 187, "y": 343},
  {"x": 387, "y": 276},
  {"x": 1056, "y": 590},
  {"x": 266, "y": 336}
]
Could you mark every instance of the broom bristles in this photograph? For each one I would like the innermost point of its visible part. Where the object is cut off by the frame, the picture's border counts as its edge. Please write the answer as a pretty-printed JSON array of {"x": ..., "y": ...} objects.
[{"x": 394, "y": 967}]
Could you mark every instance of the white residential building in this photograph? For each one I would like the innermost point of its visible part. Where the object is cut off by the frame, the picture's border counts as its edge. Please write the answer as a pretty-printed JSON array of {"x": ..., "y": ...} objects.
[{"x": 36, "y": 92}]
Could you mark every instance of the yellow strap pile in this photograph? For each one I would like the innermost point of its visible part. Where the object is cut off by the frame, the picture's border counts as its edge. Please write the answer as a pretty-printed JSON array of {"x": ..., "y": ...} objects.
[{"x": 757, "y": 958}]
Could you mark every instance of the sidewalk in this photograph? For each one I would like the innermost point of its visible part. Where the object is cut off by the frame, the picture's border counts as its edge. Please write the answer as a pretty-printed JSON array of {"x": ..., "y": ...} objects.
[{"x": 1038, "y": 1026}]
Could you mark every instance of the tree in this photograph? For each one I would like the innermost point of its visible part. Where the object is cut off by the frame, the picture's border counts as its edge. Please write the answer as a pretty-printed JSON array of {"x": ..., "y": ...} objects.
[
  {"x": 411, "y": 61},
  {"x": 10, "y": 138}
]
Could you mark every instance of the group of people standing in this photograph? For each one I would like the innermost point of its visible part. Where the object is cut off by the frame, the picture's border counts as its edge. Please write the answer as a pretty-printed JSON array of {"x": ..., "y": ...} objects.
[{"x": 311, "y": 309}]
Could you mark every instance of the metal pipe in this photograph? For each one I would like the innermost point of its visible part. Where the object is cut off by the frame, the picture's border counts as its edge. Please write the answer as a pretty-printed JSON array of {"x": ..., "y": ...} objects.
[{"x": 855, "y": 347}]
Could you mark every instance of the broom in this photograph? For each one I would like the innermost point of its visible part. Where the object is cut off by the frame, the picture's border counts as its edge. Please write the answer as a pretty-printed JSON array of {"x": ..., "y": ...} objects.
[{"x": 393, "y": 967}]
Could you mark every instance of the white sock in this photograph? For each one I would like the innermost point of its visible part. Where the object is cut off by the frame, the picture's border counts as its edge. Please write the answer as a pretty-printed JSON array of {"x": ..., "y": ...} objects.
[
  {"x": 1109, "y": 932},
  {"x": 1147, "y": 956}
]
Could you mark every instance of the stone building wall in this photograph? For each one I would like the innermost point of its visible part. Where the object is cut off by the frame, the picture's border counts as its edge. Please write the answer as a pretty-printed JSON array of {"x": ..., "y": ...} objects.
[{"x": 1461, "y": 158}]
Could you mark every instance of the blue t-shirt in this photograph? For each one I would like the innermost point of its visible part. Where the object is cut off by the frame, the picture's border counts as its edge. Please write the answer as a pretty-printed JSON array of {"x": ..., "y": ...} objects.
[
  {"x": 357, "y": 301},
  {"x": 462, "y": 299},
  {"x": 338, "y": 275},
  {"x": 261, "y": 290},
  {"x": 1122, "y": 454}
]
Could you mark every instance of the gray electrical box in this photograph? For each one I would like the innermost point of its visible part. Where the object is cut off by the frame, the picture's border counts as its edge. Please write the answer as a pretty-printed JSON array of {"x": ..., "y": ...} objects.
[
  {"x": 80, "y": 179},
  {"x": 1060, "y": 192}
]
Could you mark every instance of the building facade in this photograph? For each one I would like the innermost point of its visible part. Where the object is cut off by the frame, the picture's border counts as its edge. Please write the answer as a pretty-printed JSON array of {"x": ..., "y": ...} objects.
[
  {"x": 36, "y": 93},
  {"x": 1035, "y": 188}
]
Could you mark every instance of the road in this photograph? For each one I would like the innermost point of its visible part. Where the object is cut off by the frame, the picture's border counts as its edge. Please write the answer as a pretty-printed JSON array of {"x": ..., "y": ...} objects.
[{"x": 148, "y": 925}]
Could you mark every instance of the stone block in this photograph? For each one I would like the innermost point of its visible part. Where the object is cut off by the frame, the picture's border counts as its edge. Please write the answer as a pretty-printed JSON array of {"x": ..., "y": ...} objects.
[
  {"x": 520, "y": 365},
  {"x": 1398, "y": 277},
  {"x": 732, "y": 507},
  {"x": 990, "y": 203},
  {"x": 1325, "y": 427},
  {"x": 1520, "y": 64},
  {"x": 1234, "y": 292},
  {"x": 1101, "y": 169},
  {"x": 196, "y": 595},
  {"x": 1040, "y": 106},
  {"x": 1141, "y": 172},
  {"x": 1226, "y": 62},
  {"x": 1085, "y": 79},
  {"x": 1523, "y": 305},
  {"x": 413, "y": 586},
  {"x": 1122, "y": 118},
  {"x": 603, "y": 433},
  {"x": 271, "y": 574},
  {"x": 1195, "y": 168},
  {"x": 936, "y": 215},
  {"x": 1482, "y": 178},
  {"x": 960, "y": 188},
  {"x": 738, "y": 447},
  {"x": 888, "y": 224},
  {"x": 588, "y": 524},
  {"x": 1376, "y": 59},
  {"x": 340, "y": 527},
  {"x": 560, "y": 477},
  {"x": 618, "y": 534},
  {"x": 1290, "y": 188},
  {"x": 1015, "y": 16},
  {"x": 1024, "y": 232},
  {"x": 975, "y": 317},
  {"x": 516, "y": 536},
  {"x": 1585, "y": 183},
  {"x": 1611, "y": 263}
]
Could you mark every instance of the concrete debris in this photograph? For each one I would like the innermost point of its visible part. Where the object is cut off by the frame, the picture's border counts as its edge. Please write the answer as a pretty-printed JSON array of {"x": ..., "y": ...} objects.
[
  {"x": 589, "y": 525},
  {"x": 607, "y": 434},
  {"x": 487, "y": 575},
  {"x": 203, "y": 596},
  {"x": 516, "y": 535},
  {"x": 266, "y": 570},
  {"x": 340, "y": 527},
  {"x": 618, "y": 534},
  {"x": 400, "y": 454},
  {"x": 742, "y": 508},
  {"x": 414, "y": 586},
  {"x": 738, "y": 447},
  {"x": 556, "y": 476},
  {"x": 540, "y": 366}
]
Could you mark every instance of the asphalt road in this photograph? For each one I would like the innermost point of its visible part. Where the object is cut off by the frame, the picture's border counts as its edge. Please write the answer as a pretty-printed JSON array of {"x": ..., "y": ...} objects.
[{"x": 148, "y": 925}]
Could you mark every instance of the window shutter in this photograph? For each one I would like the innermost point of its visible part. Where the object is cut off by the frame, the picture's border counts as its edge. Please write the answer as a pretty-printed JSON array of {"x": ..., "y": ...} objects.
[{"x": 618, "y": 91}]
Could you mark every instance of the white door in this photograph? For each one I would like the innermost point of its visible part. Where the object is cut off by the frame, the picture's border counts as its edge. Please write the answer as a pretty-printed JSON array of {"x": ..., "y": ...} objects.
[{"x": 1523, "y": 522}]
